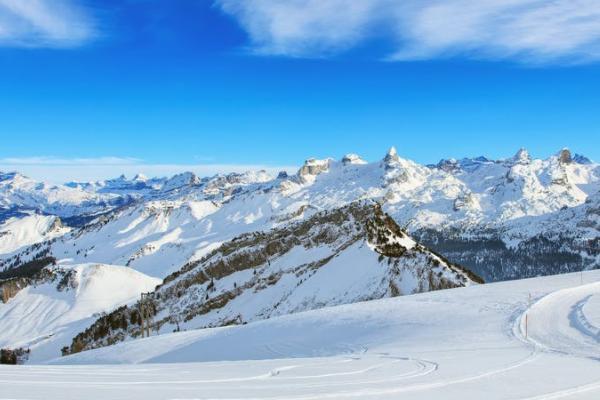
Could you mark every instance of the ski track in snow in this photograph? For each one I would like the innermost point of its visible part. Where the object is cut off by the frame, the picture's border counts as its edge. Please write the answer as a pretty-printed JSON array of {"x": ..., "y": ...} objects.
[{"x": 556, "y": 357}]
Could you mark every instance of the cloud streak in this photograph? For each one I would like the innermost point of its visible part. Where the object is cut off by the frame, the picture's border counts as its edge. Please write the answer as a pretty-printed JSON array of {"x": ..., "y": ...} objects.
[
  {"x": 60, "y": 170},
  {"x": 44, "y": 23},
  {"x": 530, "y": 31}
]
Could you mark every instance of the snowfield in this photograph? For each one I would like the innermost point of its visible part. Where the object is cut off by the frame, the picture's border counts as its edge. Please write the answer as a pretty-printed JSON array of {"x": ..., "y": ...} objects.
[{"x": 527, "y": 339}]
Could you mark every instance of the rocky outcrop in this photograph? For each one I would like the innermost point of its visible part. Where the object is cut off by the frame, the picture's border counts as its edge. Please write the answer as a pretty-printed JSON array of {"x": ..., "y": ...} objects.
[
  {"x": 564, "y": 156},
  {"x": 349, "y": 159},
  {"x": 311, "y": 168}
]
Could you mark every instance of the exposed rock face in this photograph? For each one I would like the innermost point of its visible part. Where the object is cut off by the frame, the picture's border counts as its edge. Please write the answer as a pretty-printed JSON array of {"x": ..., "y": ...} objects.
[
  {"x": 10, "y": 288},
  {"x": 291, "y": 269},
  {"x": 564, "y": 156},
  {"x": 313, "y": 167},
  {"x": 449, "y": 166},
  {"x": 465, "y": 201},
  {"x": 56, "y": 225},
  {"x": 352, "y": 159}
]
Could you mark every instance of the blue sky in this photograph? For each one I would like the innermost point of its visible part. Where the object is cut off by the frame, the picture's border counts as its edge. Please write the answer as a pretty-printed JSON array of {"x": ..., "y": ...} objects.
[{"x": 94, "y": 88}]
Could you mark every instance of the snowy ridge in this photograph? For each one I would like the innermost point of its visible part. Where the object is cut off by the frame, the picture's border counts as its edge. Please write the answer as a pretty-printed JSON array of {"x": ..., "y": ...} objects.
[{"x": 346, "y": 255}]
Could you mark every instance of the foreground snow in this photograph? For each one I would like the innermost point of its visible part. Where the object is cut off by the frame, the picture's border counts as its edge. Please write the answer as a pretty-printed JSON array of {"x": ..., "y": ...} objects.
[{"x": 454, "y": 344}]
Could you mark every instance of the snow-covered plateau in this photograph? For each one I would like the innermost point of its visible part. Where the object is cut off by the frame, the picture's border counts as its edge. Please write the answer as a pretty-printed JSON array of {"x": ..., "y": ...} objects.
[{"x": 527, "y": 339}]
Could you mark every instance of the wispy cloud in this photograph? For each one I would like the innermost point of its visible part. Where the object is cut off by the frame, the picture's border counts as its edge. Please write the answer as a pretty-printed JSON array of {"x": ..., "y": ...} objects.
[
  {"x": 69, "y": 161},
  {"x": 44, "y": 23},
  {"x": 59, "y": 170},
  {"x": 532, "y": 31}
]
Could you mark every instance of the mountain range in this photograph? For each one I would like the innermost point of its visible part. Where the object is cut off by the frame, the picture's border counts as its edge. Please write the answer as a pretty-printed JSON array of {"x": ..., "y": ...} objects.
[{"x": 234, "y": 248}]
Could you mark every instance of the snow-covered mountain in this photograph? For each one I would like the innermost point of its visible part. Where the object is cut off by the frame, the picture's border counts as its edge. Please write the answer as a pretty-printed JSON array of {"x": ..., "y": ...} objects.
[
  {"x": 491, "y": 216},
  {"x": 16, "y": 233},
  {"x": 19, "y": 193},
  {"x": 341, "y": 256},
  {"x": 43, "y": 313}
]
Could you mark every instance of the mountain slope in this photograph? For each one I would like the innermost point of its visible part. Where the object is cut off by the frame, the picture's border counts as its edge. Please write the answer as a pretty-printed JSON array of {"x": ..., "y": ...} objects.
[
  {"x": 350, "y": 254},
  {"x": 16, "y": 233},
  {"x": 43, "y": 313}
]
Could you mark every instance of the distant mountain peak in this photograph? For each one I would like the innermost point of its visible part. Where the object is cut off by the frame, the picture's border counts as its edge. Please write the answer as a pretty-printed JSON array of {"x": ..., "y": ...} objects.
[
  {"x": 313, "y": 167},
  {"x": 352, "y": 159},
  {"x": 391, "y": 155},
  {"x": 522, "y": 156},
  {"x": 140, "y": 177}
]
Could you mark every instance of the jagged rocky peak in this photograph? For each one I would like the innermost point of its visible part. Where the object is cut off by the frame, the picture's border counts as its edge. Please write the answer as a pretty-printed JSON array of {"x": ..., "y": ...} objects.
[
  {"x": 449, "y": 165},
  {"x": 352, "y": 159},
  {"x": 391, "y": 156},
  {"x": 521, "y": 157},
  {"x": 313, "y": 167},
  {"x": 564, "y": 156},
  {"x": 282, "y": 175}
]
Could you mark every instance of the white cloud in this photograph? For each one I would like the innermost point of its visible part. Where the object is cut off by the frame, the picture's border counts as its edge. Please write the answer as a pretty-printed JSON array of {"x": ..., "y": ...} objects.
[
  {"x": 525, "y": 30},
  {"x": 17, "y": 161},
  {"x": 60, "y": 170},
  {"x": 44, "y": 23}
]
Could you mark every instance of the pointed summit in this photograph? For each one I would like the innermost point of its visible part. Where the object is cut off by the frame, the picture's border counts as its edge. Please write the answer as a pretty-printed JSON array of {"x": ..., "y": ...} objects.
[
  {"x": 522, "y": 157},
  {"x": 391, "y": 156}
]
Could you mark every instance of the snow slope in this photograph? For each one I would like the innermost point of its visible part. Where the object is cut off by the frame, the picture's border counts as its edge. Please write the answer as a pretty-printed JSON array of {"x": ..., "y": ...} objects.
[
  {"x": 16, "y": 233},
  {"x": 45, "y": 315},
  {"x": 466, "y": 343}
]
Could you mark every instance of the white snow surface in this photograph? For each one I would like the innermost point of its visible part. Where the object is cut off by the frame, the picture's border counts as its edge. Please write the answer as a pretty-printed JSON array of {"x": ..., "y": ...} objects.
[
  {"x": 16, "y": 233},
  {"x": 44, "y": 319},
  {"x": 467, "y": 343}
]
